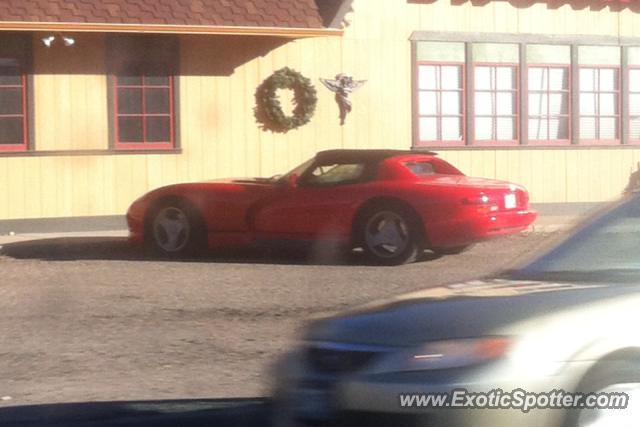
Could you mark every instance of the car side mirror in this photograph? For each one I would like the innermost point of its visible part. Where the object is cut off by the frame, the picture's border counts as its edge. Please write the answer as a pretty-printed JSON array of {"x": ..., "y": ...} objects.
[{"x": 292, "y": 180}]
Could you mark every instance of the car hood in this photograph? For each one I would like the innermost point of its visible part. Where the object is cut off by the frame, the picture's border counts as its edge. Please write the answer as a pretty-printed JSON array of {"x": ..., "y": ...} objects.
[{"x": 458, "y": 311}]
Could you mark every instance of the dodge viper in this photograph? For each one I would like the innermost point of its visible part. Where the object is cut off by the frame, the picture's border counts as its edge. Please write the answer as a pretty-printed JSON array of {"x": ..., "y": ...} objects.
[{"x": 393, "y": 204}]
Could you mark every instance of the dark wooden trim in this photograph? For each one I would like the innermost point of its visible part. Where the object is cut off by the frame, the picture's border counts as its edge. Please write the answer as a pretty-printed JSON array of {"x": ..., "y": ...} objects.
[
  {"x": 575, "y": 96},
  {"x": 64, "y": 153},
  {"x": 110, "y": 110},
  {"x": 31, "y": 114},
  {"x": 415, "y": 121},
  {"x": 528, "y": 147},
  {"x": 523, "y": 90},
  {"x": 624, "y": 93},
  {"x": 523, "y": 38},
  {"x": 469, "y": 113}
]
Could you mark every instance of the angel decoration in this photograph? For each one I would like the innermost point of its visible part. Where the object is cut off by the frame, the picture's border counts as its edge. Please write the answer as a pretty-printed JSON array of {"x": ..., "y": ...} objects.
[{"x": 343, "y": 85}]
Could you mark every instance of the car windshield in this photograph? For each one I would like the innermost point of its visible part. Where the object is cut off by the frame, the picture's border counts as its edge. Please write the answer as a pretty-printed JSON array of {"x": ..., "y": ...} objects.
[
  {"x": 607, "y": 247},
  {"x": 298, "y": 170}
]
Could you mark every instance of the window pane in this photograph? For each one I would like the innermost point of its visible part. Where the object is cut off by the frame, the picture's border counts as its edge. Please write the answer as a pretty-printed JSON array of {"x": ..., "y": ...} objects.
[
  {"x": 132, "y": 79},
  {"x": 559, "y": 128},
  {"x": 608, "y": 103},
  {"x": 451, "y": 103},
  {"x": 484, "y": 128},
  {"x": 548, "y": 54},
  {"x": 506, "y": 129},
  {"x": 505, "y": 78},
  {"x": 634, "y": 128},
  {"x": 130, "y": 129},
  {"x": 440, "y": 51},
  {"x": 506, "y": 103},
  {"x": 451, "y": 129},
  {"x": 587, "y": 79},
  {"x": 558, "y": 79},
  {"x": 157, "y": 80},
  {"x": 428, "y": 103},
  {"x": 608, "y": 79},
  {"x": 537, "y": 129},
  {"x": 130, "y": 101},
  {"x": 451, "y": 77},
  {"x": 482, "y": 77},
  {"x": 608, "y": 128},
  {"x": 537, "y": 78},
  {"x": 11, "y": 130},
  {"x": 634, "y": 80},
  {"x": 537, "y": 104},
  {"x": 157, "y": 101},
  {"x": 587, "y": 128},
  {"x": 634, "y": 104},
  {"x": 483, "y": 104},
  {"x": 158, "y": 129},
  {"x": 10, "y": 101},
  {"x": 428, "y": 129},
  {"x": 559, "y": 103},
  {"x": 427, "y": 77},
  {"x": 588, "y": 103},
  {"x": 10, "y": 76}
]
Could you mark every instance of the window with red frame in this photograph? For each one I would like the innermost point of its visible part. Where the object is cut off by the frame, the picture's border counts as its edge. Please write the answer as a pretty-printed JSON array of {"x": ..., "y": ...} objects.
[
  {"x": 13, "y": 106},
  {"x": 599, "y": 104},
  {"x": 548, "y": 103},
  {"x": 496, "y": 104},
  {"x": 441, "y": 103},
  {"x": 634, "y": 105},
  {"x": 144, "y": 113}
]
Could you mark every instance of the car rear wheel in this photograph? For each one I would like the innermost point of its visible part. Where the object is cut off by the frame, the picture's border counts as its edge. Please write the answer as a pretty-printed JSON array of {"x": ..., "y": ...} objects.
[
  {"x": 175, "y": 229},
  {"x": 390, "y": 236},
  {"x": 621, "y": 376}
]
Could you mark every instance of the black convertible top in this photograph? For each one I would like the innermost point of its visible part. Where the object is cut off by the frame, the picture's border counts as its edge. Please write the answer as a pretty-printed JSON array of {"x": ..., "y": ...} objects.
[{"x": 347, "y": 155}]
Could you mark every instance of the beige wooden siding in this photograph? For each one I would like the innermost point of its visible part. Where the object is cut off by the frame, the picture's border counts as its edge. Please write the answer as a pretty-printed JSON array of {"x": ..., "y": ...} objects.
[
  {"x": 219, "y": 135},
  {"x": 70, "y": 95}
]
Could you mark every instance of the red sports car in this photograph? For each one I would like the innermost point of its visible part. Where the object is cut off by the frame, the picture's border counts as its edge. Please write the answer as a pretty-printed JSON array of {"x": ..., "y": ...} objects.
[{"x": 393, "y": 204}]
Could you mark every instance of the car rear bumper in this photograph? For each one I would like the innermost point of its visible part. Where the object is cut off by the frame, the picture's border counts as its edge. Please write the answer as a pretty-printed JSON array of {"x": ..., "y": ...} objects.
[{"x": 474, "y": 228}]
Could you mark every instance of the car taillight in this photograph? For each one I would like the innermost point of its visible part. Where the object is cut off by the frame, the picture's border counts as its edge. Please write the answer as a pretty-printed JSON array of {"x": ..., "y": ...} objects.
[{"x": 483, "y": 203}]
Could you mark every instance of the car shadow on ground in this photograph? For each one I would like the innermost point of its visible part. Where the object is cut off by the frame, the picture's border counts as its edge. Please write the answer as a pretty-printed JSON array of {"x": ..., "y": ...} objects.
[
  {"x": 169, "y": 413},
  {"x": 118, "y": 248}
]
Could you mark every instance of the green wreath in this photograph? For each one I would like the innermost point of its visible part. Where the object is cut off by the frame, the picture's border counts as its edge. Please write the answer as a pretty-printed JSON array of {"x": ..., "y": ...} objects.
[{"x": 268, "y": 110}]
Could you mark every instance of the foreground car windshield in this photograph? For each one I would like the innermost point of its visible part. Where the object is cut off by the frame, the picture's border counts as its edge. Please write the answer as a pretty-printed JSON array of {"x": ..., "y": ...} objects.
[{"x": 605, "y": 248}]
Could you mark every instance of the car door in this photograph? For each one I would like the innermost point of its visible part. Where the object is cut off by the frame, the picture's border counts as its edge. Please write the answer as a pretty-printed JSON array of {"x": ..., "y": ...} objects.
[{"x": 321, "y": 204}]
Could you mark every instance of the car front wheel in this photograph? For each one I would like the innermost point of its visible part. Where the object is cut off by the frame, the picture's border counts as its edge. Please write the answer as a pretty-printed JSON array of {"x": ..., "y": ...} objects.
[
  {"x": 175, "y": 230},
  {"x": 389, "y": 236}
]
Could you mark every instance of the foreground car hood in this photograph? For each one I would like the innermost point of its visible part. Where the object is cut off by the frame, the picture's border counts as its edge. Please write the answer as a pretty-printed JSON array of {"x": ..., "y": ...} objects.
[{"x": 459, "y": 311}]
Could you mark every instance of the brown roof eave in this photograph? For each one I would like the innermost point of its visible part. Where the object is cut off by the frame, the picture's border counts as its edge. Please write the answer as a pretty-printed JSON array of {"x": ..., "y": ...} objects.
[{"x": 169, "y": 29}]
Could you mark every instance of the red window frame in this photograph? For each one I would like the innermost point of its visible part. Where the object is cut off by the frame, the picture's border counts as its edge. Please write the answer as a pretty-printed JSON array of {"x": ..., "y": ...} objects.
[
  {"x": 145, "y": 144},
  {"x": 598, "y": 116},
  {"x": 494, "y": 116},
  {"x": 548, "y": 92},
  {"x": 631, "y": 68},
  {"x": 24, "y": 115},
  {"x": 439, "y": 116}
]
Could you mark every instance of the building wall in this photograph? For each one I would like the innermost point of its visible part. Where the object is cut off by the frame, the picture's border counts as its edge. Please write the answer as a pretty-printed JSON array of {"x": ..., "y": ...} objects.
[{"x": 219, "y": 135}]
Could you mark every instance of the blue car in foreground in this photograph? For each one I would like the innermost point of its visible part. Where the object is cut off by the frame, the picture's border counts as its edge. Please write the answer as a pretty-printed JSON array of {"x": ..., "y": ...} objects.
[{"x": 545, "y": 335}]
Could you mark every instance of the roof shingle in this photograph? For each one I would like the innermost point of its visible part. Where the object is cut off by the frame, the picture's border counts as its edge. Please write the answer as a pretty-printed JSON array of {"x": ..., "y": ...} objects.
[{"x": 262, "y": 13}]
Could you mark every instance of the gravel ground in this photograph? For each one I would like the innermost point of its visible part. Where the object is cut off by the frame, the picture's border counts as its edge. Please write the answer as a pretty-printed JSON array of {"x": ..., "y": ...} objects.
[{"x": 93, "y": 319}]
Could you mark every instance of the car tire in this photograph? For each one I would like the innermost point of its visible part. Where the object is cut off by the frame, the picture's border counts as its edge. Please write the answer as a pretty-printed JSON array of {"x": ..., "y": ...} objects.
[
  {"x": 454, "y": 250},
  {"x": 609, "y": 376},
  {"x": 390, "y": 234},
  {"x": 175, "y": 229}
]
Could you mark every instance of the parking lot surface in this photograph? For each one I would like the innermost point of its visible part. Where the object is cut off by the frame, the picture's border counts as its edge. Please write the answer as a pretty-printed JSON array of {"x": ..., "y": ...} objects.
[{"x": 92, "y": 319}]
